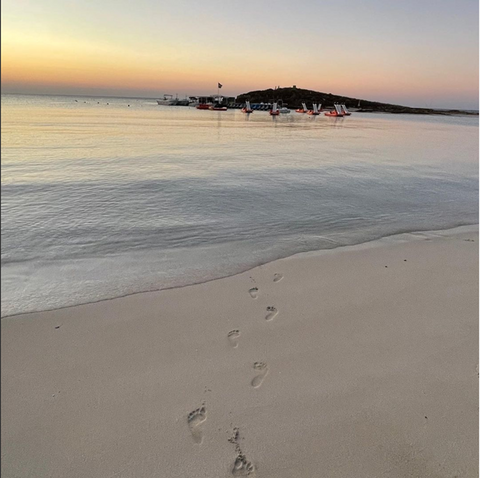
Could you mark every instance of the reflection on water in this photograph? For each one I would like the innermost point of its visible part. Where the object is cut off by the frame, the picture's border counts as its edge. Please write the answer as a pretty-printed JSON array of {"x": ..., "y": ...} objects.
[{"x": 101, "y": 199}]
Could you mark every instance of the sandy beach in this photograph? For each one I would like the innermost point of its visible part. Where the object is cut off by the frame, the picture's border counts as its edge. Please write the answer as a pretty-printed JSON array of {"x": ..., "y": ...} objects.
[{"x": 356, "y": 362}]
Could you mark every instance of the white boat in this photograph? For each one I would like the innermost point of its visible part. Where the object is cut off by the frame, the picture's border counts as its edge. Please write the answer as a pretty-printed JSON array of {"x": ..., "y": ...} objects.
[
  {"x": 166, "y": 100},
  {"x": 284, "y": 110},
  {"x": 169, "y": 100}
]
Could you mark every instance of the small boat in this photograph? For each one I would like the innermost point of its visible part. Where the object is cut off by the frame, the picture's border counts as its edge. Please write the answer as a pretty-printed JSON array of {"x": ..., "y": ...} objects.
[
  {"x": 303, "y": 109},
  {"x": 315, "y": 110},
  {"x": 284, "y": 110},
  {"x": 274, "y": 111},
  {"x": 345, "y": 111},
  {"x": 218, "y": 107},
  {"x": 338, "y": 112},
  {"x": 167, "y": 100},
  {"x": 202, "y": 102},
  {"x": 247, "y": 108}
]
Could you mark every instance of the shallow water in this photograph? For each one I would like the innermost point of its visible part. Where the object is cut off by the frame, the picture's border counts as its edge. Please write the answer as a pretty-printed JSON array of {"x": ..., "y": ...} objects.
[{"x": 104, "y": 200}]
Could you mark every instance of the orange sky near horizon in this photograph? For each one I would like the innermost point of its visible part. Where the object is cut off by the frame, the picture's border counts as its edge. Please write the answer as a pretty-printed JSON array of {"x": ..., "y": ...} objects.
[{"x": 39, "y": 56}]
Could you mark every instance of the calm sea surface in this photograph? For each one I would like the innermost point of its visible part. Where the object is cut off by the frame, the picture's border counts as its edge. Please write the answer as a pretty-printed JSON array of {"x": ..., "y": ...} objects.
[{"x": 101, "y": 200}]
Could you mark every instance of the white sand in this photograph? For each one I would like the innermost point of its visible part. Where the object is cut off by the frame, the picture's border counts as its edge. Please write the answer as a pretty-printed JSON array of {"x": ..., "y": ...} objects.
[{"x": 369, "y": 371}]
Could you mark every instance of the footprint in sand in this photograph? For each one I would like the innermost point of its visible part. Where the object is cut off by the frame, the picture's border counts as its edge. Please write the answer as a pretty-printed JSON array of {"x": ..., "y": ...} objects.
[
  {"x": 271, "y": 313},
  {"x": 277, "y": 277},
  {"x": 253, "y": 292},
  {"x": 262, "y": 368},
  {"x": 195, "y": 419},
  {"x": 233, "y": 336},
  {"x": 242, "y": 467}
]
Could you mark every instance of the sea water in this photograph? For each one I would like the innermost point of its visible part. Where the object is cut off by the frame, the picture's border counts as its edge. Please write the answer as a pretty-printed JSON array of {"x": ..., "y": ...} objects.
[{"x": 103, "y": 197}]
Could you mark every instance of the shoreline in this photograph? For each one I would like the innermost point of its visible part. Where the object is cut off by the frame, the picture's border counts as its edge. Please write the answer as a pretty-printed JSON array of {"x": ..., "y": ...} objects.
[
  {"x": 410, "y": 234},
  {"x": 353, "y": 362}
]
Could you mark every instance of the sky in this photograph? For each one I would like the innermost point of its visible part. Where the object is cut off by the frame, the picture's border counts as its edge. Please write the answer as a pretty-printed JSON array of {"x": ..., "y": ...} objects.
[{"x": 413, "y": 52}]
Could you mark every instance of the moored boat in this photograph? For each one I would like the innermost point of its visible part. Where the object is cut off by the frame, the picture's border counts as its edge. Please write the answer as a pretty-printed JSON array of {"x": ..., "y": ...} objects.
[
  {"x": 274, "y": 111},
  {"x": 337, "y": 112},
  {"x": 167, "y": 100},
  {"x": 315, "y": 111},
  {"x": 204, "y": 102},
  {"x": 303, "y": 109},
  {"x": 218, "y": 107},
  {"x": 247, "y": 108}
]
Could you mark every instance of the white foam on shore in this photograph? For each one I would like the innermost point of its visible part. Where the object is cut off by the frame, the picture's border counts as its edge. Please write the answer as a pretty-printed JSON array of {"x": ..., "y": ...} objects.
[{"x": 47, "y": 288}]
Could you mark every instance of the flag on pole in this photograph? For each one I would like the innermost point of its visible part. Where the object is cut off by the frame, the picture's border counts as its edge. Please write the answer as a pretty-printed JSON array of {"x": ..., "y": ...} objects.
[{"x": 220, "y": 85}]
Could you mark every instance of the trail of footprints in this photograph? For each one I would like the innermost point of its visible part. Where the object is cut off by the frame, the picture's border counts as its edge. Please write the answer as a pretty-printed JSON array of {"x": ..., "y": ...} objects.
[{"x": 196, "y": 418}]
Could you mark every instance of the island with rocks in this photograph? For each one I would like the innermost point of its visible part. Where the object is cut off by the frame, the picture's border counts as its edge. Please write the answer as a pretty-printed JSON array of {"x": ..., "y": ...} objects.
[{"x": 293, "y": 97}]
